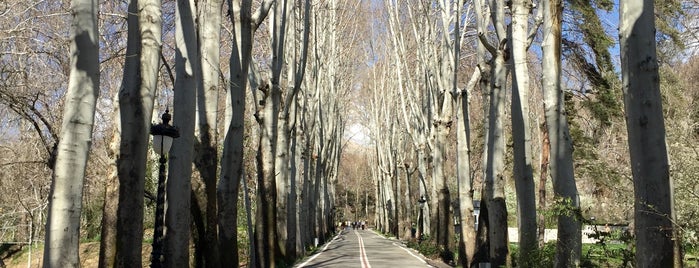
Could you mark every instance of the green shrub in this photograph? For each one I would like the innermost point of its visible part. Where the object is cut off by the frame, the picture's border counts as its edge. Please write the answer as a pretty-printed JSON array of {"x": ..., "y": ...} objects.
[
  {"x": 542, "y": 257},
  {"x": 426, "y": 247}
]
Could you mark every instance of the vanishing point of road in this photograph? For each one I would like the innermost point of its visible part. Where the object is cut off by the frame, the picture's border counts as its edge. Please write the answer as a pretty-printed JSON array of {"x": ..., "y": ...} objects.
[{"x": 365, "y": 249}]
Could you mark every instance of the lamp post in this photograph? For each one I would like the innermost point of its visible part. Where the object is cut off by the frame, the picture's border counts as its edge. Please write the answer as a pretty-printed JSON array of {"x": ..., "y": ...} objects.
[
  {"x": 163, "y": 135},
  {"x": 420, "y": 218}
]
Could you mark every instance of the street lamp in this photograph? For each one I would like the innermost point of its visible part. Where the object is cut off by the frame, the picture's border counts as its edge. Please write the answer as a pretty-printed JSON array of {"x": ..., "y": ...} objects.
[
  {"x": 420, "y": 218},
  {"x": 163, "y": 135}
]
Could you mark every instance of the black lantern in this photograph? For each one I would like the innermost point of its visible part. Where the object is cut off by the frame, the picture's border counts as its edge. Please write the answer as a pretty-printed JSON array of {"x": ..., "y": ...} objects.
[
  {"x": 421, "y": 217},
  {"x": 422, "y": 201},
  {"x": 163, "y": 136}
]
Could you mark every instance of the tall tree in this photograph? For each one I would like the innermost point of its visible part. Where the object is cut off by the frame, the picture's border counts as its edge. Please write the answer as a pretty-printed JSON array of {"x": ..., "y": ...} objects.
[
  {"x": 414, "y": 102},
  {"x": 290, "y": 57},
  {"x": 523, "y": 171},
  {"x": 206, "y": 147},
  {"x": 446, "y": 56},
  {"x": 136, "y": 98},
  {"x": 179, "y": 187},
  {"x": 65, "y": 200},
  {"x": 467, "y": 242},
  {"x": 297, "y": 55},
  {"x": 568, "y": 246},
  {"x": 245, "y": 22},
  {"x": 494, "y": 155},
  {"x": 646, "y": 130}
]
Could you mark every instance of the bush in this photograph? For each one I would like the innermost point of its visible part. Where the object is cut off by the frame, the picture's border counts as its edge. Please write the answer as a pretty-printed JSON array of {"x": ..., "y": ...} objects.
[
  {"x": 542, "y": 257},
  {"x": 426, "y": 247}
]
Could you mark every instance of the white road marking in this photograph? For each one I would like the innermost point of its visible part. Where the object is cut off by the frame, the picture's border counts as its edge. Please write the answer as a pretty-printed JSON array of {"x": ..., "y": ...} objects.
[
  {"x": 362, "y": 252},
  {"x": 411, "y": 254},
  {"x": 318, "y": 254}
]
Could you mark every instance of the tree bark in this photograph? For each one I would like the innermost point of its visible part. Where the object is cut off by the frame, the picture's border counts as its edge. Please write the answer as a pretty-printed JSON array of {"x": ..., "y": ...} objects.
[
  {"x": 467, "y": 241},
  {"x": 521, "y": 133},
  {"x": 136, "y": 99},
  {"x": 646, "y": 132},
  {"x": 206, "y": 150},
  {"x": 65, "y": 200},
  {"x": 245, "y": 24},
  {"x": 545, "y": 154},
  {"x": 179, "y": 187},
  {"x": 568, "y": 246},
  {"x": 110, "y": 207}
]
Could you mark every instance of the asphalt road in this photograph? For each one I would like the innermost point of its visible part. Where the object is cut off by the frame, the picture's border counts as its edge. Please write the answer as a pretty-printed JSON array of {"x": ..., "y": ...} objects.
[{"x": 363, "y": 248}]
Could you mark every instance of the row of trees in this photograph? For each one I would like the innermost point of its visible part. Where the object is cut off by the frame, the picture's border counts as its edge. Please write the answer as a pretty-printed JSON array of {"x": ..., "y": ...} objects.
[
  {"x": 281, "y": 122},
  {"x": 424, "y": 67},
  {"x": 423, "y": 75}
]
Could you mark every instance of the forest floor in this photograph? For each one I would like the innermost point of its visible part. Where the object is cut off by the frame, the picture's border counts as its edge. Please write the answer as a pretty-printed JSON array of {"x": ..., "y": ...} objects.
[{"x": 89, "y": 256}]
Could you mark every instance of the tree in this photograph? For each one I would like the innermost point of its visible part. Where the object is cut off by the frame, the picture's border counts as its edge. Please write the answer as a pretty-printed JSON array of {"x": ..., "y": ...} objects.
[
  {"x": 414, "y": 101},
  {"x": 245, "y": 23},
  {"x": 206, "y": 146},
  {"x": 523, "y": 172},
  {"x": 296, "y": 55},
  {"x": 467, "y": 242},
  {"x": 568, "y": 246},
  {"x": 646, "y": 135},
  {"x": 494, "y": 156},
  {"x": 177, "y": 218},
  {"x": 65, "y": 201},
  {"x": 136, "y": 98}
]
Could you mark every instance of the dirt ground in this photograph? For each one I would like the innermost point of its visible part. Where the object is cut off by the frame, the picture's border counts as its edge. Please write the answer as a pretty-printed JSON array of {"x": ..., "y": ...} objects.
[{"x": 89, "y": 256}]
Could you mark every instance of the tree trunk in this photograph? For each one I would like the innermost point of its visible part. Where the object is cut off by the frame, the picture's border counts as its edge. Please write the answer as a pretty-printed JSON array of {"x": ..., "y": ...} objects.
[
  {"x": 425, "y": 222},
  {"x": 443, "y": 200},
  {"x": 206, "y": 159},
  {"x": 179, "y": 187},
  {"x": 568, "y": 247},
  {"x": 646, "y": 131},
  {"x": 467, "y": 241},
  {"x": 65, "y": 200},
  {"x": 265, "y": 225},
  {"x": 110, "y": 207},
  {"x": 244, "y": 26},
  {"x": 494, "y": 152},
  {"x": 495, "y": 181},
  {"x": 545, "y": 153},
  {"x": 136, "y": 98},
  {"x": 521, "y": 133},
  {"x": 286, "y": 16}
]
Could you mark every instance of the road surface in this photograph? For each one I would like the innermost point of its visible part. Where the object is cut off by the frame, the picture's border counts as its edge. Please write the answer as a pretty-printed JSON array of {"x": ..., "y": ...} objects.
[{"x": 365, "y": 249}]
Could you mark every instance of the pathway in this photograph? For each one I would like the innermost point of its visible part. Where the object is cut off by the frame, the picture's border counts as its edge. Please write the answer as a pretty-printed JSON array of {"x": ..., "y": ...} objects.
[{"x": 365, "y": 249}]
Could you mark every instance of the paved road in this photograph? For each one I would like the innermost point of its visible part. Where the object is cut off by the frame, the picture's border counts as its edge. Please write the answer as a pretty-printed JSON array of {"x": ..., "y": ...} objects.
[{"x": 365, "y": 249}]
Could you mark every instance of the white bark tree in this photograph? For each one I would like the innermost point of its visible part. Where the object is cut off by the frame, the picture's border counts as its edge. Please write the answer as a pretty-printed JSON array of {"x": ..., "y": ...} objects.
[
  {"x": 181, "y": 156},
  {"x": 291, "y": 20},
  {"x": 414, "y": 101},
  {"x": 646, "y": 129},
  {"x": 245, "y": 22},
  {"x": 136, "y": 99},
  {"x": 568, "y": 246},
  {"x": 494, "y": 155},
  {"x": 65, "y": 200},
  {"x": 467, "y": 242},
  {"x": 206, "y": 148},
  {"x": 523, "y": 171}
]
